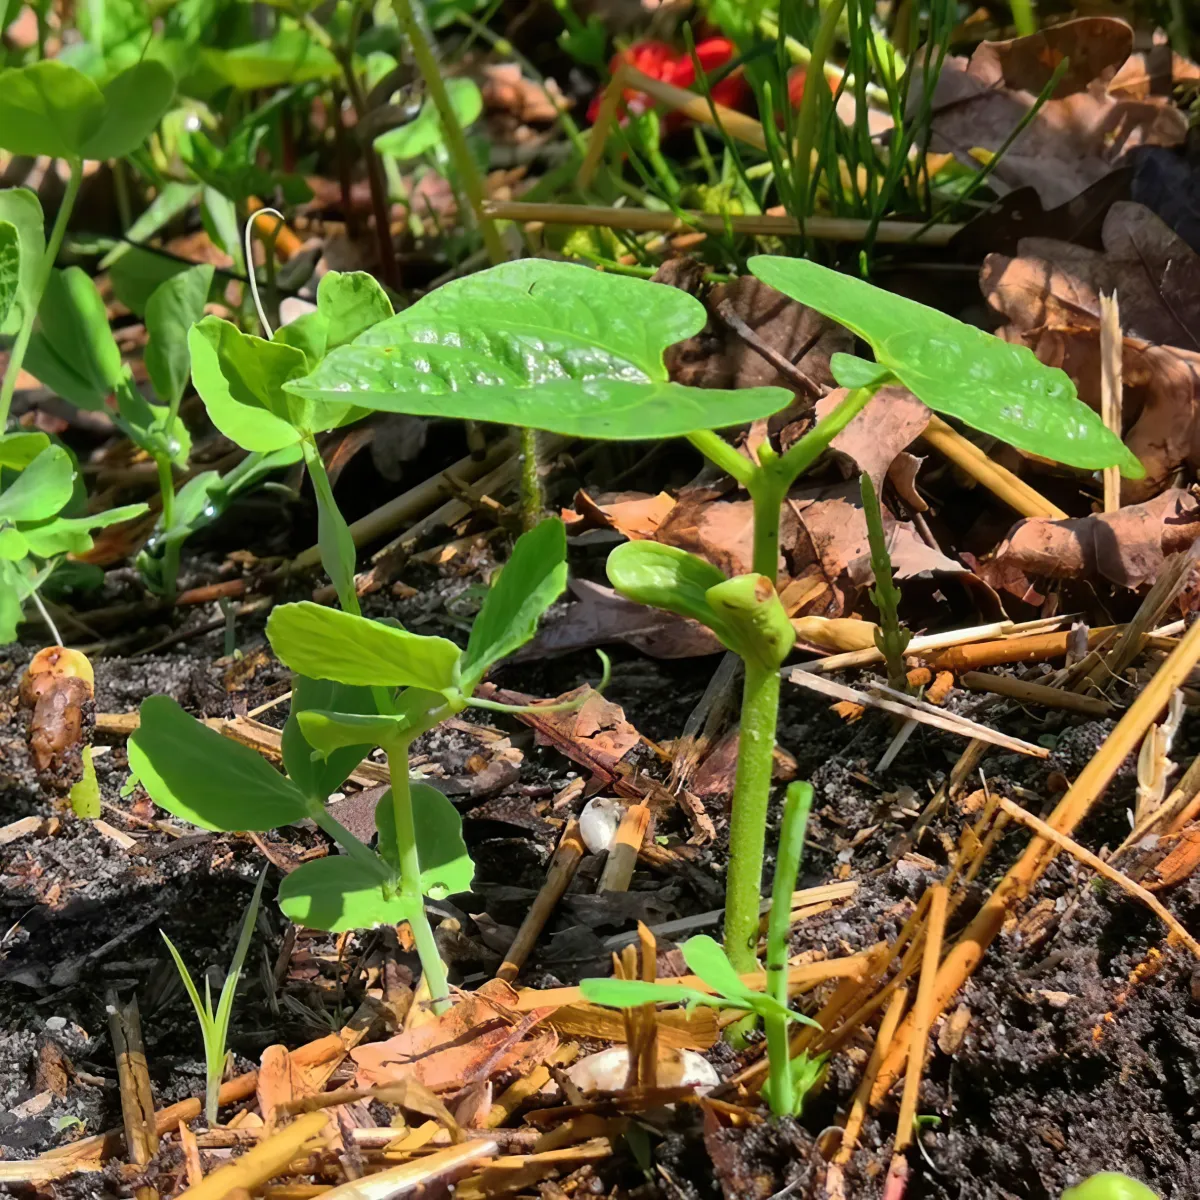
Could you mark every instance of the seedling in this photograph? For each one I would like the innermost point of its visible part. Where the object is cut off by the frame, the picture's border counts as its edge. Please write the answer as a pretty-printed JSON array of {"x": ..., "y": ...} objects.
[
  {"x": 49, "y": 108},
  {"x": 891, "y": 638},
  {"x": 1110, "y": 1185},
  {"x": 214, "y": 1024},
  {"x": 38, "y": 488},
  {"x": 559, "y": 347},
  {"x": 789, "y": 1080},
  {"x": 360, "y": 684}
]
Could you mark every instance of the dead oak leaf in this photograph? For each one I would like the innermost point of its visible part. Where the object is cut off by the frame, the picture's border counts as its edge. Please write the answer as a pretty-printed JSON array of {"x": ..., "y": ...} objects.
[{"x": 892, "y": 420}]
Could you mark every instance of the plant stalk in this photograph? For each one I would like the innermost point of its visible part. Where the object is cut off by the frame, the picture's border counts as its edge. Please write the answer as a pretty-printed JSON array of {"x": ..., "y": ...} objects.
[
  {"x": 333, "y": 534},
  {"x": 748, "y": 820},
  {"x": 532, "y": 499},
  {"x": 410, "y": 877},
  {"x": 815, "y": 88},
  {"x": 17, "y": 357},
  {"x": 456, "y": 142}
]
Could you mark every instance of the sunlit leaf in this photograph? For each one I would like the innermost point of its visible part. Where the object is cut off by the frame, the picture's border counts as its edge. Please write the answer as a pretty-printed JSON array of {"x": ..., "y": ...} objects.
[
  {"x": 334, "y": 894},
  {"x": 666, "y": 577},
  {"x": 424, "y": 132},
  {"x": 319, "y": 776},
  {"x": 134, "y": 102},
  {"x": 10, "y": 268},
  {"x": 291, "y": 57},
  {"x": 48, "y": 108},
  {"x": 543, "y": 344},
  {"x": 173, "y": 308},
  {"x": 41, "y": 489},
  {"x": 73, "y": 535},
  {"x": 446, "y": 866},
  {"x": 22, "y": 209}
]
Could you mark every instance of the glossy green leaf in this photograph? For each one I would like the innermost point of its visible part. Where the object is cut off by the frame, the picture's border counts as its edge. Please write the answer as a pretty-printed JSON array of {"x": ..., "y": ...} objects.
[
  {"x": 667, "y": 577},
  {"x": 850, "y": 371},
  {"x": 41, "y": 490},
  {"x": 1110, "y": 1185},
  {"x": 351, "y": 302},
  {"x": 13, "y": 546},
  {"x": 313, "y": 774},
  {"x": 210, "y": 780},
  {"x": 328, "y": 732},
  {"x": 630, "y": 993},
  {"x": 291, "y": 56},
  {"x": 326, "y": 643},
  {"x": 10, "y": 603},
  {"x": 173, "y": 199},
  {"x": 332, "y": 894},
  {"x": 18, "y": 450},
  {"x": 424, "y": 132},
  {"x": 706, "y": 958},
  {"x": 73, "y": 350},
  {"x": 750, "y": 609},
  {"x": 173, "y": 308},
  {"x": 134, "y": 102},
  {"x": 957, "y": 369},
  {"x": 48, "y": 108},
  {"x": 22, "y": 209},
  {"x": 10, "y": 268},
  {"x": 446, "y": 867},
  {"x": 73, "y": 535},
  {"x": 548, "y": 345},
  {"x": 532, "y": 579}
]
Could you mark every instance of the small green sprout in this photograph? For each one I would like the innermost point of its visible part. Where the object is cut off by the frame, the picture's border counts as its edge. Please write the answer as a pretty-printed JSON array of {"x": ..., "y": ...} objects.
[
  {"x": 214, "y": 1024},
  {"x": 891, "y": 637},
  {"x": 1110, "y": 1185}
]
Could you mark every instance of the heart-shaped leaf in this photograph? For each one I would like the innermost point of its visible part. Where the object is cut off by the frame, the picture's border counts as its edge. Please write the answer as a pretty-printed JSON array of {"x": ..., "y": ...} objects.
[
  {"x": 173, "y": 308},
  {"x": 48, "y": 108},
  {"x": 446, "y": 866},
  {"x": 22, "y": 209},
  {"x": 41, "y": 489},
  {"x": 318, "y": 776},
  {"x": 326, "y": 643},
  {"x": 205, "y": 778},
  {"x": 18, "y": 450},
  {"x": 541, "y": 344},
  {"x": 424, "y": 132},
  {"x": 532, "y": 579},
  {"x": 957, "y": 369},
  {"x": 333, "y": 894}
]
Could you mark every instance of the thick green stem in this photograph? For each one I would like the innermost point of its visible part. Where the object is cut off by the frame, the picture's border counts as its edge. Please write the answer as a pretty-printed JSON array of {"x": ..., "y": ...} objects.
[
  {"x": 532, "y": 500},
  {"x": 17, "y": 357},
  {"x": 166, "y": 486},
  {"x": 410, "y": 877},
  {"x": 748, "y": 822},
  {"x": 456, "y": 142}
]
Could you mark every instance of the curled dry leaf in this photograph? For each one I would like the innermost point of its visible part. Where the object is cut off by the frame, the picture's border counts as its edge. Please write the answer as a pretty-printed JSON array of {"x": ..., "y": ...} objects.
[
  {"x": 1079, "y": 134},
  {"x": 632, "y": 514},
  {"x": 1126, "y": 547},
  {"x": 892, "y": 420}
]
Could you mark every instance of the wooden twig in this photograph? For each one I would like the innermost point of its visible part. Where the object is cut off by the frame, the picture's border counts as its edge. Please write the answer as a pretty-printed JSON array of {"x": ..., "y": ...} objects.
[
  {"x": 1036, "y": 647},
  {"x": 623, "y": 853},
  {"x": 1071, "y": 809},
  {"x": 133, "y": 1077},
  {"x": 429, "y": 1175},
  {"x": 1025, "y": 692},
  {"x": 784, "y": 365},
  {"x": 1098, "y": 864},
  {"x": 602, "y": 127},
  {"x": 562, "y": 869},
  {"x": 1112, "y": 346}
]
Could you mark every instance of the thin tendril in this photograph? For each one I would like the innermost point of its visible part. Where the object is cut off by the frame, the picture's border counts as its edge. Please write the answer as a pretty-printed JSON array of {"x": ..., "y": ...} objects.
[{"x": 251, "y": 274}]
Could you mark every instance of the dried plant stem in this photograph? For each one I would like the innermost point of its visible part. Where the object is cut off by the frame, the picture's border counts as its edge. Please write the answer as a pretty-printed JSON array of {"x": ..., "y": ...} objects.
[
  {"x": 1000, "y": 481},
  {"x": 602, "y": 127},
  {"x": 133, "y": 1076},
  {"x": 1071, "y": 809},
  {"x": 1036, "y": 647},
  {"x": 1099, "y": 865},
  {"x": 644, "y": 220},
  {"x": 1111, "y": 387},
  {"x": 1035, "y": 693},
  {"x": 622, "y": 854}
]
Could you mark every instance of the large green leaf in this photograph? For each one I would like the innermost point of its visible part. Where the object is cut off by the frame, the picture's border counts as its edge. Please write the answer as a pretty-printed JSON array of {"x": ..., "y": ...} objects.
[
  {"x": 173, "y": 308},
  {"x": 326, "y": 643},
  {"x": 41, "y": 489},
  {"x": 291, "y": 57},
  {"x": 318, "y": 776},
  {"x": 209, "y": 780},
  {"x": 134, "y": 102},
  {"x": 446, "y": 867},
  {"x": 424, "y": 132},
  {"x": 532, "y": 579},
  {"x": 48, "y": 108},
  {"x": 10, "y": 268},
  {"x": 547, "y": 345},
  {"x": 333, "y": 894},
  {"x": 22, "y": 209},
  {"x": 73, "y": 535},
  {"x": 957, "y": 369},
  {"x": 73, "y": 351}
]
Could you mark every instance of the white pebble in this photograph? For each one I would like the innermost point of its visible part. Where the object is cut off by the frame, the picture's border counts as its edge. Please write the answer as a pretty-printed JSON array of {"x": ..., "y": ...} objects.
[{"x": 598, "y": 823}]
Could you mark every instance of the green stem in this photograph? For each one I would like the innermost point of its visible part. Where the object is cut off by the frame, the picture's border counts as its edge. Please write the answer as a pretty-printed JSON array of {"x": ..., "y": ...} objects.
[
  {"x": 333, "y": 534},
  {"x": 806, "y": 123},
  {"x": 410, "y": 877},
  {"x": 456, "y": 142},
  {"x": 39, "y": 286},
  {"x": 748, "y": 821},
  {"x": 532, "y": 499},
  {"x": 166, "y": 485},
  {"x": 1023, "y": 17}
]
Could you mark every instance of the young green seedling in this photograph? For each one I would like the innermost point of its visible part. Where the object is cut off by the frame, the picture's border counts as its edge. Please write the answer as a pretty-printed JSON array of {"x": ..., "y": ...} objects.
[
  {"x": 1110, "y": 1185},
  {"x": 214, "y": 1023},
  {"x": 49, "y": 108},
  {"x": 891, "y": 638},
  {"x": 345, "y": 665},
  {"x": 39, "y": 493}
]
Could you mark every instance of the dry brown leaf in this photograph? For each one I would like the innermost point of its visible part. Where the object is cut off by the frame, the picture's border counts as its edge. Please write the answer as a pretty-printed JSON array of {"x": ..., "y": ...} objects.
[
  {"x": 892, "y": 420},
  {"x": 634, "y": 514},
  {"x": 1125, "y": 547},
  {"x": 1078, "y": 135}
]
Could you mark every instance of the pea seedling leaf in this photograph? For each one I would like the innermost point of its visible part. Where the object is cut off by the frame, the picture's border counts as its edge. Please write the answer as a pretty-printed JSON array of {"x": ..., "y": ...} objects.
[
  {"x": 291, "y": 57},
  {"x": 329, "y": 732},
  {"x": 18, "y": 450},
  {"x": 446, "y": 866},
  {"x": 48, "y": 108},
  {"x": 209, "y": 780},
  {"x": 73, "y": 535},
  {"x": 850, "y": 371},
  {"x": 707, "y": 959},
  {"x": 134, "y": 101},
  {"x": 333, "y": 894},
  {"x": 541, "y": 344},
  {"x": 22, "y": 209},
  {"x": 326, "y": 643},
  {"x": 669, "y": 578},
  {"x": 318, "y": 776},
  {"x": 348, "y": 303},
  {"x": 425, "y": 131},
  {"x": 10, "y": 268},
  {"x": 173, "y": 308},
  {"x": 41, "y": 489},
  {"x": 629, "y": 993},
  {"x": 532, "y": 579},
  {"x": 957, "y": 369}
]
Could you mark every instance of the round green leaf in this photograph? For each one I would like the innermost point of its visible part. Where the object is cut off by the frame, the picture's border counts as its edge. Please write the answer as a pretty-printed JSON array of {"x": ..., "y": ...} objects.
[
  {"x": 41, "y": 490},
  {"x": 289, "y": 57},
  {"x": 21, "y": 208},
  {"x": 134, "y": 102},
  {"x": 957, "y": 369},
  {"x": 541, "y": 344},
  {"x": 205, "y": 778},
  {"x": 48, "y": 108},
  {"x": 1110, "y": 1185},
  {"x": 446, "y": 866},
  {"x": 332, "y": 894},
  {"x": 666, "y": 577}
]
